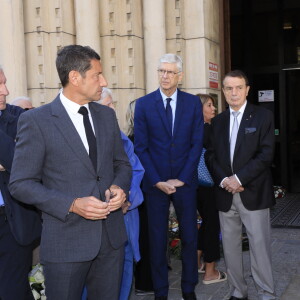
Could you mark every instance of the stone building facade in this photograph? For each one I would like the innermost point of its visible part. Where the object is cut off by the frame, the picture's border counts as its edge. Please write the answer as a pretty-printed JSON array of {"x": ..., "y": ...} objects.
[{"x": 130, "y": 36}]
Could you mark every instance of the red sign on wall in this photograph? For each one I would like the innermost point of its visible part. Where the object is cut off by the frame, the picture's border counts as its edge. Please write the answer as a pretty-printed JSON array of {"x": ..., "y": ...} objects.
[{"x": 213, "y": 75}]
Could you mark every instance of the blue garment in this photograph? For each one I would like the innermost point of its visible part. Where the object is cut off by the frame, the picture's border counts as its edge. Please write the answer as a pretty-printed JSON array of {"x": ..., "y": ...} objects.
[
  {"x": 131, "y": 219},
  {"x": 135, "y": 198},
  {"x": 127, "y": 273}
]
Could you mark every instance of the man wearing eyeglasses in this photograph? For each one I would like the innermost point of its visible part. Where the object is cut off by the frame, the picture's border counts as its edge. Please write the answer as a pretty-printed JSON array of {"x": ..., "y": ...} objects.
[
  {"x": 239, "y": 159},
  {"x": 168, "y": 128},
  {"x": 20, "y": 224}
]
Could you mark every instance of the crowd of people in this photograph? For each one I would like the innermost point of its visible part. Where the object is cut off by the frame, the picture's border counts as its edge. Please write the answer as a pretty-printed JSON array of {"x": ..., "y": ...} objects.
[{"x": 97, "y": 200}]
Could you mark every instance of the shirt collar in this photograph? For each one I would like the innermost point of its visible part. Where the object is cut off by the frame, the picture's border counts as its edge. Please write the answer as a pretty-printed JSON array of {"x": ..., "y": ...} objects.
[
  {"x": 164, "y": 97},
  {"x": 70, "y": 105},
  {"x": 241, "y": 110}
]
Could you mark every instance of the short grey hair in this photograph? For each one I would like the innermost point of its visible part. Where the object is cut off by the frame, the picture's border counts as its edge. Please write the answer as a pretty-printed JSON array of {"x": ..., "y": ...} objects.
[
  {"x": 16, "y": 100},
  {"x": 106, "y": 92},
  {"x": 171, "y": 58}
]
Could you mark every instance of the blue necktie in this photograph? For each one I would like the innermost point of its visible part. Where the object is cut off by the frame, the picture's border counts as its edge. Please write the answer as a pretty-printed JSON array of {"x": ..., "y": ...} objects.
[
  {"x": 169, "y": 113},
  {"x": 89, "y": 135},
  {"x": 234, "y": 132}
]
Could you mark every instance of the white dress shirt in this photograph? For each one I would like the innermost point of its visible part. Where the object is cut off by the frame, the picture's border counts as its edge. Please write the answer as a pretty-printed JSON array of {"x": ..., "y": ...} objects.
[
  {"x": 239, "y": 119},
  {"x": 77, "y": 118}
]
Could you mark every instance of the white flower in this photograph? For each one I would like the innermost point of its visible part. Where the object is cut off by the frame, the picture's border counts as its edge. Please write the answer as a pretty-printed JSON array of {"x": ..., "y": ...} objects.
[
  {"x": 36, "y": 274},
  {"x": 36, "y": 295}
]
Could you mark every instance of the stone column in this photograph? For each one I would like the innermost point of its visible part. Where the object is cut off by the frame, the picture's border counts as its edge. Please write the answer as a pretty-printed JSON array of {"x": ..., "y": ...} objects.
[
  {"x": 12, "y": 50},
  {"x": 154, "y": 39},
  {"x": 87, "y": 23}
]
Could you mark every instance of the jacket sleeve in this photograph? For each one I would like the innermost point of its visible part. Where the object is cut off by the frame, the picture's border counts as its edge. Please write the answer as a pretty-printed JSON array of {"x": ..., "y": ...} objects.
[
  {"x": 7, "y": 146},
  {"x": 141, "y": 142},
  {"x": 27, "y": 172},
  {"x": 136, "y": 195}
]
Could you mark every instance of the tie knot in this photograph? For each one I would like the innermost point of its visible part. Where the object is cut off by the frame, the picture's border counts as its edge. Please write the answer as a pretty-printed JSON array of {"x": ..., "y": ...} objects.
[
  {"x": 83, "y": 110},
  {"x": 235, "y": 114},
  {"x": 169, "y": 100}
]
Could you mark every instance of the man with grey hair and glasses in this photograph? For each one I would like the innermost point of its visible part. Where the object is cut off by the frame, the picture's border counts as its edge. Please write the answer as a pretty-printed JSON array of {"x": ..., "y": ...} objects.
[{"x": 168, "y": 126}]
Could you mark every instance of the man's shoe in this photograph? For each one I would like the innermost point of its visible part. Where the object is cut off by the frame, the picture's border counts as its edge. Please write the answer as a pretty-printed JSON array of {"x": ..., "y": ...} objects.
[
  {"x": 189, "y": 296},
  {"x": 235, "y": 298},
  {"x": 161, "y": 298}
]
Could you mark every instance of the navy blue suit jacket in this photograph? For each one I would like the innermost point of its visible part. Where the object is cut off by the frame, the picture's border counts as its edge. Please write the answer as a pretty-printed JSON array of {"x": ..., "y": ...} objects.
[
  {"x": 163, "y": 155},
  {"x": 24, "y": 220}
]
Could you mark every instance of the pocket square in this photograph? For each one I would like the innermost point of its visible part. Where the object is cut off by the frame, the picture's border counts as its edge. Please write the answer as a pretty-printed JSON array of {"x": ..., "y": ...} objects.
[{"x": 250, "y": 130}]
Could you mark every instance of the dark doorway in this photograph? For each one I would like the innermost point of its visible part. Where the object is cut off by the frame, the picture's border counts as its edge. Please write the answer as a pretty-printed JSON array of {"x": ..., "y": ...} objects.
[
  {"x": 265, "y": 43},
  {"x": 292, "y": 81}
]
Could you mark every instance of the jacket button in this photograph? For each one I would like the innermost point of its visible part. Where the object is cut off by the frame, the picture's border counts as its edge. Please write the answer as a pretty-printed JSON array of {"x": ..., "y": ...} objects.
[{"x": 98, "y": 178}]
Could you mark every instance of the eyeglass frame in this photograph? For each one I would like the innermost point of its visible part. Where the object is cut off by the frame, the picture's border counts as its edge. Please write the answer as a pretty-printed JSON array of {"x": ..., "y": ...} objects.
[{"x": 162, "y": 72}]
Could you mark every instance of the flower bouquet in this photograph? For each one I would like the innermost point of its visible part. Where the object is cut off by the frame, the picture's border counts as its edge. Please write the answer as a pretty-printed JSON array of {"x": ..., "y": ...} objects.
[{"x": 36, "y": 281}]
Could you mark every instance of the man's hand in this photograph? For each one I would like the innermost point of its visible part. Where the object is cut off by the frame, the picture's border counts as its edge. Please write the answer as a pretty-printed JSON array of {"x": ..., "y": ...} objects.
[
  {"x": 166, "y": 187},
  {"x": 2, "y": 168},
  {"x": 176, "y": 182},
  {"x": 115, "y": 197},
  {"x": 232, "y": 185},
  {"x": 125, "y": 207},
  {"x": 90, "y": 208}
]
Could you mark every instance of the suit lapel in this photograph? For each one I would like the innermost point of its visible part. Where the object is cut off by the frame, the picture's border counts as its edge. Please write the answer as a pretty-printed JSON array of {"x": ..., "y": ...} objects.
[
  {"x": 162, "y": 111},
  {"x": 179, "y": 111},
  {"x": 225, "y": 137},
  {"x": 65, "y": 126},
  {"x": 95, "y": 110},
  {"x": 247, "y": 116}
]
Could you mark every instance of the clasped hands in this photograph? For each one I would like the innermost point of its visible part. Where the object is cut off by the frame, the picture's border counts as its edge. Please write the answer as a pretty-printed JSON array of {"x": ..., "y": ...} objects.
[
  {"x": 169, "y": 186},
  {"x": 232, "y": 185},
  {"x": 93, "y": 209}
]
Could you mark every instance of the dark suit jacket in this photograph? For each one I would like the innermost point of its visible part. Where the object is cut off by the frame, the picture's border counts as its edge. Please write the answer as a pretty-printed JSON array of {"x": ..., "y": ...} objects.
[
  {"x": 51, "y": 168},
  {"x": 252, "y": 157},
  {"x": 163, "y": 155},
  {"x": 24, "y": 220}
]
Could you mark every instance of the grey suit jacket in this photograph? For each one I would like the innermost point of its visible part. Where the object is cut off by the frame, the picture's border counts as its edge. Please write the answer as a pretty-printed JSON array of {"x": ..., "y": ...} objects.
[{"x": 51, "y": 168}]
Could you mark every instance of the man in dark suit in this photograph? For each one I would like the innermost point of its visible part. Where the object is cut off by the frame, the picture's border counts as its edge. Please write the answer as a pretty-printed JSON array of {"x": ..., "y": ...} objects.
[
  {"x": 168, "y": 127},
  {"x": 239, "y": 158},
  {"x": 69, "y": 161},
  {"x": 20, "y": 224}
]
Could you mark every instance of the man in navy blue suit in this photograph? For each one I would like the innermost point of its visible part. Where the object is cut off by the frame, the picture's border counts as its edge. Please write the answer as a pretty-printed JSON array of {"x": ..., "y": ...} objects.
[
  {"x": 20, "y": 224},
  {"x": 168, "y": 127}
]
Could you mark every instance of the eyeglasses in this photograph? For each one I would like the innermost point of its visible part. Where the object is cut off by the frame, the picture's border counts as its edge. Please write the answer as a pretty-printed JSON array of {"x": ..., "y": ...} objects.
[
  {"x": 162, "y": 72},
  {"x": 229, "y": 89}
]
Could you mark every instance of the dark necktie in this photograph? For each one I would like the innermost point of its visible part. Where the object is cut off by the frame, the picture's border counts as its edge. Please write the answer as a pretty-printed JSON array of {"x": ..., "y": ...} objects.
[
  {"x": 169, "y": 113},
  {"x": 89, "y": 135}
]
